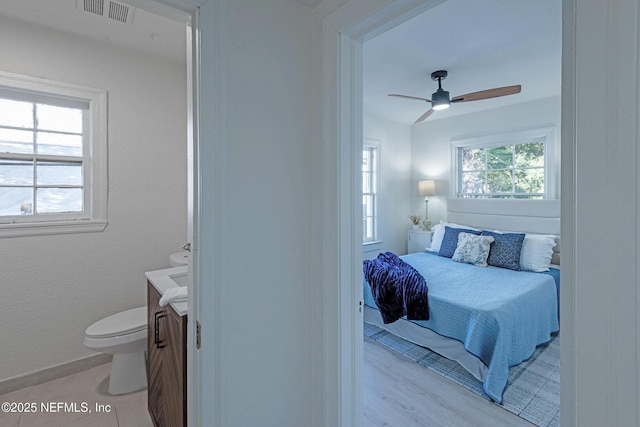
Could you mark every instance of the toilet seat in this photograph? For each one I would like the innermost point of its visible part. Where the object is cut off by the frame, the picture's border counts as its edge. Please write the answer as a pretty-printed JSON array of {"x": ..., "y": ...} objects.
[{"x": 123, "y": 323}]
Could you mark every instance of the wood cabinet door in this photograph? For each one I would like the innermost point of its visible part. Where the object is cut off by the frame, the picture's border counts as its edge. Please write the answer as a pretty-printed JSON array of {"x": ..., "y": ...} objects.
[
  {"x": 155, "y": 375},
  {"x": 173, "y": 332},
  {"x": 166, "y": 359}
]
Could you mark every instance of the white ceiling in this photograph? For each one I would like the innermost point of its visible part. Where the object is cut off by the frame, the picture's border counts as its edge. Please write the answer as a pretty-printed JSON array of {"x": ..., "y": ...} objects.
[
  {"x": 157, "y": 30},
  {"x": 483, "y": 44},
  {"x": 148, "y": 32}
]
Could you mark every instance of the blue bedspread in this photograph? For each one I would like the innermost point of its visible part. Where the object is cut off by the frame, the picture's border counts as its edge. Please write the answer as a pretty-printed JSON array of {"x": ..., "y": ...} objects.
[{"x": 500, "y": 315}]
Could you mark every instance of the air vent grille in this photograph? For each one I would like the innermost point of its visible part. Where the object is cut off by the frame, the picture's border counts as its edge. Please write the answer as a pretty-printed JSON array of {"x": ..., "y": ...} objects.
[
  {"x": 94, "y": 6},
  {"x": 109, "y": 9},
  {"x": 118, "y": 11}
]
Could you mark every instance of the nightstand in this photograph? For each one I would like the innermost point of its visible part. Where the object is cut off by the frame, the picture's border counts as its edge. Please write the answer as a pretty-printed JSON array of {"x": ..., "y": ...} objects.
[{"x": 418, "y": 240}]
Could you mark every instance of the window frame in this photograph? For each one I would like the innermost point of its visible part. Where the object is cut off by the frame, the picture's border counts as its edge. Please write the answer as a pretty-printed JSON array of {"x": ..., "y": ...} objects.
[
  {"x": 551, "y": 156},
  {"x": 374, "y": 145},
  {"x": 94, "y": 160}
]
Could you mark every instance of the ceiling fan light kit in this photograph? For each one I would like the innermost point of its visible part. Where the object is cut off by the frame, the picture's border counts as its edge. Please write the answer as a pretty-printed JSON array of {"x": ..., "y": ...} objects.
[{"x": 440, "y": 99}]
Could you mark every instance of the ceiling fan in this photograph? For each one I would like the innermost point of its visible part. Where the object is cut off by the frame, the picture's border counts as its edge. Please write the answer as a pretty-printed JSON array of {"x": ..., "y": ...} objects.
[{"x": 440, "y": 98}]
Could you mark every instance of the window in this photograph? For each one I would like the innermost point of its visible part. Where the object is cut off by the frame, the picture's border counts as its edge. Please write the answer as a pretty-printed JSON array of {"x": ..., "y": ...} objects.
[
  {"x": 369, "y": 192},
  {"x": 52, "y": 157},
  {"x": 514, "y": 166}
]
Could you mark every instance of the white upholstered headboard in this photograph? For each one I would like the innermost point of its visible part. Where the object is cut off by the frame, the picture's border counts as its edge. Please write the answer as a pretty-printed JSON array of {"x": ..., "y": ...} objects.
[{"x": 530, "y": 216}]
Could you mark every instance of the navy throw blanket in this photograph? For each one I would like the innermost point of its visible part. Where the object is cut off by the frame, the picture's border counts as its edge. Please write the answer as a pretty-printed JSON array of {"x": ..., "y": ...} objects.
[{"x": 397, "y": 288}]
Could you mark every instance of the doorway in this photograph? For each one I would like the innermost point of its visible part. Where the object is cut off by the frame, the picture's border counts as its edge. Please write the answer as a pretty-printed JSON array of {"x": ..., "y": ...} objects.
[
  {"x": 352, "y": 30},
  {"x": 188, "y": 13}
]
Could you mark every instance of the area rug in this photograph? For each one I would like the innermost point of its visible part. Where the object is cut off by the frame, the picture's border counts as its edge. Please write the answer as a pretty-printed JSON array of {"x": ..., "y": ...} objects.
[{"x": 533, "y": 390}]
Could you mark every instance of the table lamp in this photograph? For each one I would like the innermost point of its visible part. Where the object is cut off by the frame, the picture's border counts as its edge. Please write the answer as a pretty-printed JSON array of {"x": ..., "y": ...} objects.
[{"x": 426, "y": 188}]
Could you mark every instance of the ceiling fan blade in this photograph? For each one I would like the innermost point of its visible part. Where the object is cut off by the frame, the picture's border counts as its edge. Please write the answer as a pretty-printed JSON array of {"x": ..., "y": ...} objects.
[
  {"x": 489, "y": 93},
  {"x": 410, "y": 97},
  {"x": 423, "y": 117}
]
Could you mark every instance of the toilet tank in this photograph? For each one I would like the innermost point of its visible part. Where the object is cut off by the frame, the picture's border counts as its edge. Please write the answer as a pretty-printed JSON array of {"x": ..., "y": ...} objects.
[{"x": 179, "y": 258}]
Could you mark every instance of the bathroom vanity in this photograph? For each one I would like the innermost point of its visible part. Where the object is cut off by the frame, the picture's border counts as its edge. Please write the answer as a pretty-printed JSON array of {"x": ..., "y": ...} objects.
[{"x": 166, "y": 352}]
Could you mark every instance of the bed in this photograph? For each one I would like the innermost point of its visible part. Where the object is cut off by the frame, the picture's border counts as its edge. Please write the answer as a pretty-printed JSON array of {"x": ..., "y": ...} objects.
[{"x": 487, "y": 318}]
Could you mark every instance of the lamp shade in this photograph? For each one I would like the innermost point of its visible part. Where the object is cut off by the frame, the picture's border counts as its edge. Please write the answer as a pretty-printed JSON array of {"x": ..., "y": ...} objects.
[{"x": 427, "y": 188}]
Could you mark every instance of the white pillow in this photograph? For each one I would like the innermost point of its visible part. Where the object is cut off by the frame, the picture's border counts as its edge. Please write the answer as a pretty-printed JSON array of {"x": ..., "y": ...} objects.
[
  {"x": 537, "y": 250},
  {"x": 436, "y": 239},
  {"x": 438, "y": 234},
  {"x": 473, "y": 249}
]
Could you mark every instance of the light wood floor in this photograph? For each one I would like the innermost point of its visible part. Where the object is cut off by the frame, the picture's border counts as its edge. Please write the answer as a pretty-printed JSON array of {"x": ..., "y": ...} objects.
[
  {"x": 400, "y": 393},
  {"x": 397, "y": 393}
]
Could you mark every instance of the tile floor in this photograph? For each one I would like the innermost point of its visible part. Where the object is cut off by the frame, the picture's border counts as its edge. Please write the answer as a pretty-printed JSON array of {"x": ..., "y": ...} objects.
[{"x": 86, "y": 399}]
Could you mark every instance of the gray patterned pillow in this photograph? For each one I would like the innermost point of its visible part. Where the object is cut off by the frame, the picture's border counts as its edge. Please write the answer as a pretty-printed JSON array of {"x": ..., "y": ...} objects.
[
  {"x": 505, "y": 250},
  {"x": 473, "y": 249}
]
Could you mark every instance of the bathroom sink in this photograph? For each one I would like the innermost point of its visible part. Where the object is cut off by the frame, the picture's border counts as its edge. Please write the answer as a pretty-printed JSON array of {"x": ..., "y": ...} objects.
[
  {"x": 181, "y": 279},
  {"x": 170, "y": 278}
]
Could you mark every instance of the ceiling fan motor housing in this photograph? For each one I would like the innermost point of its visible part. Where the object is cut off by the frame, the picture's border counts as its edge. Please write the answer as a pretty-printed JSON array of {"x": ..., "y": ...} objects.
[
  {"x": 440, "y": 99},
  {"x": 440, "y": 96}
]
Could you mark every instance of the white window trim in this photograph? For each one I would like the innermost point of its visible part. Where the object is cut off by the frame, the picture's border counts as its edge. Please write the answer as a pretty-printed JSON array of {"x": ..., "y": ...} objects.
[
  {"x": 95, "y": 215},
  {"x": 551, "y": 155},
  {"x": 374, "y": 143}
]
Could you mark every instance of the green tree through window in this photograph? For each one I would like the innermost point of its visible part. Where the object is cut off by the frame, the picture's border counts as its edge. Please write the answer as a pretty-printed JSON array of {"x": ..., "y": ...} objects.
[{"x": 502, "y": 171}]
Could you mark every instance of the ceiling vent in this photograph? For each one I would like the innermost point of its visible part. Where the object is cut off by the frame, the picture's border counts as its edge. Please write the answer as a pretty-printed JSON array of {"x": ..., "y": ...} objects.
[{"x": 109, "y": 9}]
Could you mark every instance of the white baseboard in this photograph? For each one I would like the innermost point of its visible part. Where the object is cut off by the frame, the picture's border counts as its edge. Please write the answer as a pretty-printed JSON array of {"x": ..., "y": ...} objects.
[{"x": 52, "y": 373}]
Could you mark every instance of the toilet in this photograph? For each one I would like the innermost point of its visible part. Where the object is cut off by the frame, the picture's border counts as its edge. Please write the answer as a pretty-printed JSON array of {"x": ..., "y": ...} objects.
[
  {"x": 124, "y": 335},
  {"x": 179, "y": 258}
]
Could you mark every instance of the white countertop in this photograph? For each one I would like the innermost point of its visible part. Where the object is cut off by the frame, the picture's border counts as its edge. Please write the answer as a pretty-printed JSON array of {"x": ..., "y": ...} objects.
[{"x": 162, "y": 280}]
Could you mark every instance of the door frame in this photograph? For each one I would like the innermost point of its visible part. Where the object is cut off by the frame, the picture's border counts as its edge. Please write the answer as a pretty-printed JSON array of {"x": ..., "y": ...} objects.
[
  {"x": 339, "y": 36},
  {"x": 188, "y": 12},
  {"x": 342, "y": 33}
]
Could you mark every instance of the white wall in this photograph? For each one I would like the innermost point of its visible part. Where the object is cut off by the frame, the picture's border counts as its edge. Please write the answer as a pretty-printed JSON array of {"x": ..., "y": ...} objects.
[
  {"x": 394, "y": 199},
  {"x": 55, "y": 286},
  {"x": 431, "y": 142}
]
